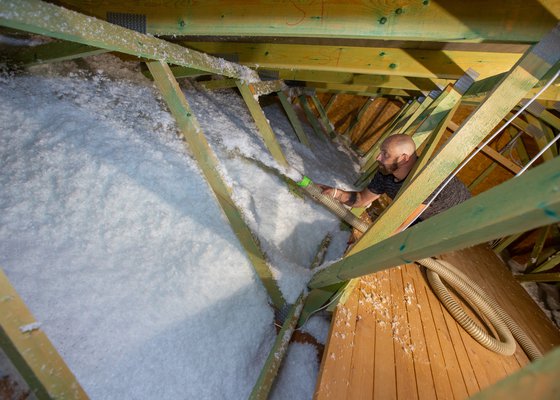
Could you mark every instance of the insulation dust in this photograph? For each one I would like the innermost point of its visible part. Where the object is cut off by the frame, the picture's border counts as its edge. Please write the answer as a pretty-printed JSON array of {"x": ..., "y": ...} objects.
[{"x": 114, "y": 240}]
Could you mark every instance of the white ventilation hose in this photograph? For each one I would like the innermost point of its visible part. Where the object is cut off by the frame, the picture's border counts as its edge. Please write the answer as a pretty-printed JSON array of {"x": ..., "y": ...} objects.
[{"x": 504, "y": 325}]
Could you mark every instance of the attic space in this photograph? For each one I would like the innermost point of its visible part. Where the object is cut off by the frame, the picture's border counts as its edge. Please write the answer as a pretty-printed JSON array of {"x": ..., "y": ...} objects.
[{"x": 279, "y": 199}]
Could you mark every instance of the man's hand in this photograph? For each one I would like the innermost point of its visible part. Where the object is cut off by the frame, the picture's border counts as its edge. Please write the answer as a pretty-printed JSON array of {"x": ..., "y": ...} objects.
[{"x": 337, "y": 194}]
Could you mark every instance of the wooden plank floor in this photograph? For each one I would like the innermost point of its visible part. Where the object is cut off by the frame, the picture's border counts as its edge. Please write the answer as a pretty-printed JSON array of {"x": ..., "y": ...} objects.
[{"x": 394, "y": 340}]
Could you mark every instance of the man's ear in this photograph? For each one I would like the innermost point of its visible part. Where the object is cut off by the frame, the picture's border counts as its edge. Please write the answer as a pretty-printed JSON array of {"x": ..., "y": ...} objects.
[{"x": 403, "y": 158}]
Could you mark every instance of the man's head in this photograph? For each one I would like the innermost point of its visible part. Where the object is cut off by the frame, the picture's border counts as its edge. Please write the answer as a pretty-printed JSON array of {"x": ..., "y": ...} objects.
[{"x": 397, "y": 151}]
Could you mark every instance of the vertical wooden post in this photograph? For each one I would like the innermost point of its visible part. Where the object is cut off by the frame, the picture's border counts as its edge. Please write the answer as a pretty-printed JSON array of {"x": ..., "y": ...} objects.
[
  {"x": 262, "y": 123},
  {"x": 310, "y": 116},
  {"x": 323, "y": 116},
  {"x": 296, "y": 124}
]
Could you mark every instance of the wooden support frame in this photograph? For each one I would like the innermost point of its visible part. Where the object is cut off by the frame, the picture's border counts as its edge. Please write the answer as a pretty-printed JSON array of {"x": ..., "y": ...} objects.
[
  {"x": 542, "y": 58},
  {"x": 30, "y": 350},
  {"x": 375, "y": 60},
  {"x": 539, "y": 245},
  {"x": 431, "y": 145},
  {"x": 549, "y": 277},
  {"x": 60, "y": 23},
  {"x": 484, "y": 217},
  {"x": 54, "y": 52},
  {"x": 361, "y": 112},
  {"x": 331, "y": 102},
  {"x": 506, "y": 241},
  {"x": 323, "y": 116},
  {"x": 250, "y": 96},
  {"x": 208, "y": 163},
  {"x": 276, "y": 355},
  {"x": 339, "y": 19},
  {"x": 293, "y": 118},
  {"x": 538, "y": 380},
  {"x": 311, "y": 118},
  {"x": 549, "y": 264}
]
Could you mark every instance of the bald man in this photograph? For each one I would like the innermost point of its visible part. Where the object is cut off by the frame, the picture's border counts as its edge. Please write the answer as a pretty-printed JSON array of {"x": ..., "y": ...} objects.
[{"x": 396, "y": 159}]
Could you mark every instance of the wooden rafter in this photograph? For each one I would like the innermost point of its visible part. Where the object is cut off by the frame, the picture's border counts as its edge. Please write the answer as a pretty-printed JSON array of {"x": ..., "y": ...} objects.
[
  {"x": 483, "y": 218},
  {"x": 55, "y": 52},
  {"x": 541, "y": 59},
  {"x": 383, "y": 61},
  {"x": 208, "y": 163},
  {"x": 452, "y": 20},
  {"x": 250, "y": 96},
  {"x": 47, "y": 19},
  {"x": 30, "y": 350}
]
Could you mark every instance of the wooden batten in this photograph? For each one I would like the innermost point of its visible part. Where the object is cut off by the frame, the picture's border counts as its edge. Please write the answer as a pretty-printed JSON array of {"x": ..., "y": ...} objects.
[
  {"x": 208, "y": 163},
  {"x": 47, "y": 19},
  {"x": 55, "y": 52},
  {"x": 262, "y": 123},
  {"x": 30, "y": 350},
  {"x": 292, "y": 116}
]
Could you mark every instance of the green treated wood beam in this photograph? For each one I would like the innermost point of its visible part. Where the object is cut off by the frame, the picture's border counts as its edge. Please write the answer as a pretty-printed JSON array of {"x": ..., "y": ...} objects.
[
  {"x": 363, "y": 109},
  {"x": 420, "y": 63},
  {"x": 54, "y": 52},
  {"x": 217, "y": 84},
  {"x": 483, "y": 218},
  {"x": 276, "y": 355},
  {"x": 57, "y": 22},
  {"x": 294, "y": 120},
  {"x": 311, "y": 118},
  {"x": 359, "y": 90},
  {"x": 506, "y": 241},
  {"x": 180, "y": 72},
  {"x": 209, "y": 164},
  {"x": 331, "y": 101},
  {"x": 549, "y": 264},
  {"x": 323, "y": 116},
  {"x": 250, "y": 97},
  {"x": 538, "y": 380},
  {"x": 549, "y": 277},
  {"x": 373, "y": 81},
  {"x": 449, "y": 21},
  {"x": 442, "y": 109},
  {"x": 267, "y": 87},
  {"x": 431, "y": 144},
  {"x": 537, "y": 62},
  {"x": 30, "y": 350},
  {"x": 539, "y": 245}
]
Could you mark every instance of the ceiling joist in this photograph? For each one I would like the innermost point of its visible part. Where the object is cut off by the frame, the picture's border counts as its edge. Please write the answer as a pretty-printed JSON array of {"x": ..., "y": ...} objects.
[{"x": 442, "y": 21}]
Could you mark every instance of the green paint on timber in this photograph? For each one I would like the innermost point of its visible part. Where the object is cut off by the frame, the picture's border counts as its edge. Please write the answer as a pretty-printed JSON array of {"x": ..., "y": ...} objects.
[
  {"x": 538, "y": 380},
  {"x": 310, "y": 116},
  {"x": 208, "y": 163},
  {"x": 50, "y": 20},
  {"x": 262, "y": 124},
  {"x": 483, "y": 218},
  {"x": 55, "y": 52},
  {"x": 531, "y": 67},
  {"x": 537, "y": 62},
  {"x": 277, "y": 353},
  {"x": 324, "y": 117},
  {"x": 180, "y": 72},
  {"x": 31, "y": 352},
  {"x": 292, "y": 116}
]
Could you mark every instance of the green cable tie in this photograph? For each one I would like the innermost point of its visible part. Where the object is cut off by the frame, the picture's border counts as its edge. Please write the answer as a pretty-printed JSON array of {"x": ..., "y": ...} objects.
[{"x": 305, "y": 181}]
